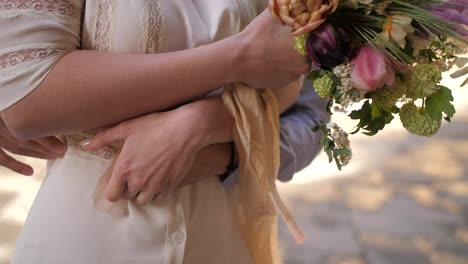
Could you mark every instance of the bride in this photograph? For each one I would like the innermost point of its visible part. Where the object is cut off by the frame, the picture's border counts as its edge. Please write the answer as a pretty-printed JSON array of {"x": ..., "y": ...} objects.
[{"x": 74, "y": 65}]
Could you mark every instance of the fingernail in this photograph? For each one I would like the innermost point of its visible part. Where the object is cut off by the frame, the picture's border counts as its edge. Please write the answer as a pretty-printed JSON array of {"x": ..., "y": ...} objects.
[
  {"x": 27, "y": 171},
  {"x": 86, "y": 143}
]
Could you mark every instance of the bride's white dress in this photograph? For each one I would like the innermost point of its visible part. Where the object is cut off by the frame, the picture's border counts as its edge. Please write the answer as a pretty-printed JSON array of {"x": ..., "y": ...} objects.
[{"x": 193, "y": 225}]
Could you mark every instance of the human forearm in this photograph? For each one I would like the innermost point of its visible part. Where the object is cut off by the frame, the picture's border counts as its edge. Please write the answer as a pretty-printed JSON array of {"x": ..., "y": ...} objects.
[
  {"x": 216, "y": 123},
  {"x": 95, "y": 89}
]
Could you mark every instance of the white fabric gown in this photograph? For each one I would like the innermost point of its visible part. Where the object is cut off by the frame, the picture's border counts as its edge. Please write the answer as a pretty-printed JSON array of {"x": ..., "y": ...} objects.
[{"x": 193, "y": 225}]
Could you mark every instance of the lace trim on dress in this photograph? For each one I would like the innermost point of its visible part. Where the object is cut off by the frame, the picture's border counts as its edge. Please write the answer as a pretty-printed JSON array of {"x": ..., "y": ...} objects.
[
  {"x": 107, "y": 152},
  {"x": 65, "y": 12},
  {"x": 153, "y": 21},
  {"x": 12, "y": 62},
  {"x": 103, "y": 15}
]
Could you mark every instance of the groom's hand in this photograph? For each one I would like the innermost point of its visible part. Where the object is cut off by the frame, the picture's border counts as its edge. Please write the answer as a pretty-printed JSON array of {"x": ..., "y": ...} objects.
[
  {"x": 210, "y": 161},
  {"x": 43, "y": 148}
]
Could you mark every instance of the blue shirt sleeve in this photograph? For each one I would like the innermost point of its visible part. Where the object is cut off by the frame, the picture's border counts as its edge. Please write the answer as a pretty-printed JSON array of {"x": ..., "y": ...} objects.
[{"x": 299, "y": 144}]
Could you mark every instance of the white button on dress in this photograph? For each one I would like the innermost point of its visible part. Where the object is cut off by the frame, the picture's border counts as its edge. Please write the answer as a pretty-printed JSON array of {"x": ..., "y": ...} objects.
[{"x": 178, "y": 238}]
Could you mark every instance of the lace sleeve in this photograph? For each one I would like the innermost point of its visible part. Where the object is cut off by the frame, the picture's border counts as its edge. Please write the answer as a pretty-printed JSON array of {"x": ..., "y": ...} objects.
[{"x": 35, "y": 35}]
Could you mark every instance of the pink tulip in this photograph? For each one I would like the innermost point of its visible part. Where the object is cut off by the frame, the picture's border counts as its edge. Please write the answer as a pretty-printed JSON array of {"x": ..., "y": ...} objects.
[{"x": 372, "y": 70}]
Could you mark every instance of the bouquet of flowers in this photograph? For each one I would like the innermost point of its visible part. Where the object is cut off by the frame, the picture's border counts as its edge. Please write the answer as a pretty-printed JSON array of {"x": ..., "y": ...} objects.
[
  {"x": 379, "y": 53},
  {"x": 382, "y": 57}
]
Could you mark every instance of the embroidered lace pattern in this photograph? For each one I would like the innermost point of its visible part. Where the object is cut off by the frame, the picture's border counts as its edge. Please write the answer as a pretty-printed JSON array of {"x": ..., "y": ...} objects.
[
  {"x": 107, "y": 153},
  {"x": 104, "y": 11},
  {"x": 153, "y": 26},
  {"x": 12, "y": 62},
  {"x": 63, "y": 11}
]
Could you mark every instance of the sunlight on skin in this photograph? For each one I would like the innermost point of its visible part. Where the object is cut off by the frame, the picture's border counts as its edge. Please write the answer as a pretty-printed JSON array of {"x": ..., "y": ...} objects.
[{"x": 17, "y": 192}]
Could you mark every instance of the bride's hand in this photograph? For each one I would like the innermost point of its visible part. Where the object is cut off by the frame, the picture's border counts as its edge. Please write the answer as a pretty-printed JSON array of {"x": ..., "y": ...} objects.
[
  {"x": 159, "y": 150},
  {"x": 268, "y": 58}
]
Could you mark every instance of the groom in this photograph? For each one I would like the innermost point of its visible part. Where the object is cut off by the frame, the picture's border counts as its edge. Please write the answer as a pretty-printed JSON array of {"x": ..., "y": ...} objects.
[{"x": 299, "y": 145}]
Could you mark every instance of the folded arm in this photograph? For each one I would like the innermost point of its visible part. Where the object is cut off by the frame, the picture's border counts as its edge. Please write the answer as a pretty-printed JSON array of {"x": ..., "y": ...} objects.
[
  {"x": 93, "y": 89},
  {"x": 193, "y": 141}
]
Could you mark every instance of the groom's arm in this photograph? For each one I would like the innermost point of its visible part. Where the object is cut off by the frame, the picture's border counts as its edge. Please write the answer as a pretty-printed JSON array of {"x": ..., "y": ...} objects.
[{"x": 299, "y": 144}]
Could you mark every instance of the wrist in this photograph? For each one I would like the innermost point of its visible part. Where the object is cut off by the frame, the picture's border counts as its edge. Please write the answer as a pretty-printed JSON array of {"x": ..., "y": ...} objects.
[
  {"x": 211, "y": 122},
  {"x": 208, "y": 120},
  {"x": 237, "y": 59}
]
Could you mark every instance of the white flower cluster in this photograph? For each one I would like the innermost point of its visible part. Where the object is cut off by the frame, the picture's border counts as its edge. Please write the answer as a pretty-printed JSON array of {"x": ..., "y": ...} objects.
[
  {"x": 447, "y": 54},
  {"x": 341, "y": 140},
  {"x": 443, "y": 64},
  {"x": 343, "y": 72}
]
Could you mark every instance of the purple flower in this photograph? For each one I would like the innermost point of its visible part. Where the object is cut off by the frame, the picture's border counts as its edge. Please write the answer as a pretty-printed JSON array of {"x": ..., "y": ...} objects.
[
  {"x": 455, "y": 11},
  {"x": 328, "y": 46}
]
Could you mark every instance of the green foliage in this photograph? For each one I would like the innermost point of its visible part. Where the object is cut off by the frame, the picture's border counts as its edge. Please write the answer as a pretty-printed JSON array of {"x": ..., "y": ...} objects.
[
  {"x": 439, "y": 103},
  {"x": 373, "y": 117},
  {"x": 329, "y": 145},
  {"x": 441, "y": 48},
  {"x": 317, "y": 74}
]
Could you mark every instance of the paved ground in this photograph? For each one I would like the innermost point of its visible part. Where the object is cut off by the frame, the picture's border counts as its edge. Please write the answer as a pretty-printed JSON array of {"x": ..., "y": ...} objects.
[{"x": 403, "y": 200}]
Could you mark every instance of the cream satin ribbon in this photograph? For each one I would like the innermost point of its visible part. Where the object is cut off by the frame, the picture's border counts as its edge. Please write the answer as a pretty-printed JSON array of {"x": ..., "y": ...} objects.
[{"x": 257, "y": 137}]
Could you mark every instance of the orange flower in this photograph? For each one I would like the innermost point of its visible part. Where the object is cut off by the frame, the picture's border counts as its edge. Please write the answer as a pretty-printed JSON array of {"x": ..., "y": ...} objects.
[{"x": 303, "y": 15}]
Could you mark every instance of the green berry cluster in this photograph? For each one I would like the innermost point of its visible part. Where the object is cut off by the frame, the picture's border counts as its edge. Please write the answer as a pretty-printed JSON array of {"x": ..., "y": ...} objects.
[
  {"x": 418, "y": 121},
  {"x": 422, "y": 81},
  {"x": 324, "y": 86},
  {"x": 388, "y": 96},
  {"x": 300, "y": 44}
]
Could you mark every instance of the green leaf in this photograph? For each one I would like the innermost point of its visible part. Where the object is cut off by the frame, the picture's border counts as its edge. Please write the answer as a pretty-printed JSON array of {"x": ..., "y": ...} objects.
[
  {"x": 355, "y": 93},
  {"x": 317, "y": 74},
  {"x": 362, "y": 113},
  {"x": 337, "y": 161},
  {"x": 440, "y": 102},
  {"x": 394, "y": 109},
  {"x": 330, "y": 155},
  {"x": 342, "y": 151},
  {"x": 314, "y": 75},
  {"x": 375, "y": 111},
  {"x": 329, "y": 106},
  {"x": 373, "y": 118}
]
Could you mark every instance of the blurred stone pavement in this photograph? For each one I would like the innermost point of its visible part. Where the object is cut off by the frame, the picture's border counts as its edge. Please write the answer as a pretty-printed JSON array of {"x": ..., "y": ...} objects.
[{"x": 403, "y": 200}]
